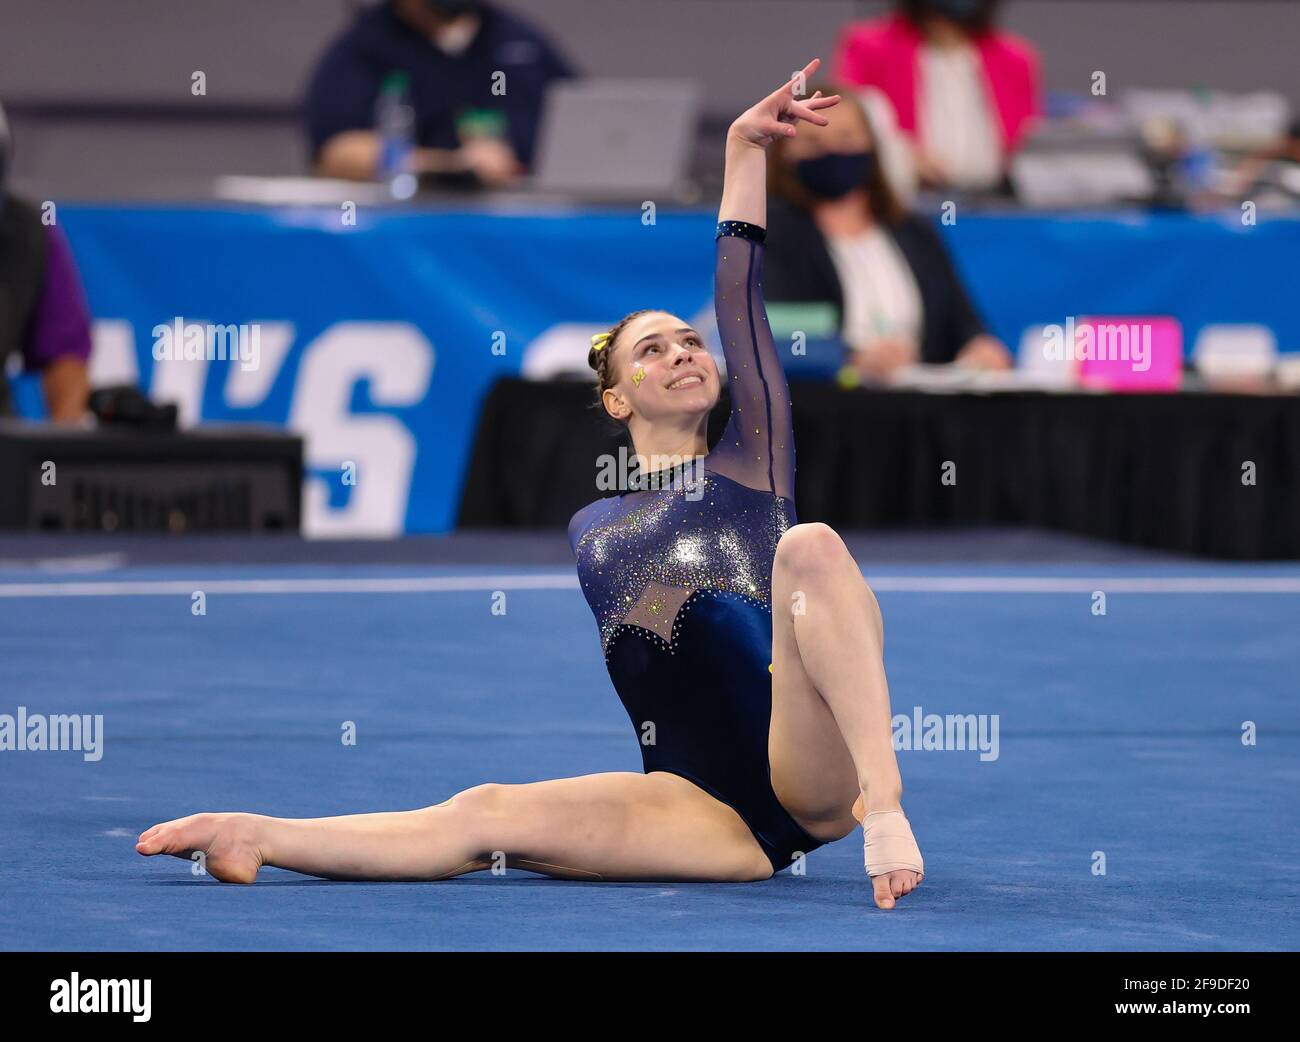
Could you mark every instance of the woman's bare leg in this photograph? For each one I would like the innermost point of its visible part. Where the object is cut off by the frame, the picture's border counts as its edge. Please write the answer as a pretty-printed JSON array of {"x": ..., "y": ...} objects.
[
  {"x": 616, "y": 826},
  {"x": 830, "y": 744}
]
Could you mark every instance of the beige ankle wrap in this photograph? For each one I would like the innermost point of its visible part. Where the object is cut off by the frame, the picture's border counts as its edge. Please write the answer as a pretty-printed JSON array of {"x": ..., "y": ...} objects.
[{"x": 888, "y": 844}]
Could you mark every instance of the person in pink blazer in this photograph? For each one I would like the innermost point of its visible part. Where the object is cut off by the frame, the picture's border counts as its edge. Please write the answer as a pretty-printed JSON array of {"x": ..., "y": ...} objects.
[{"x": 964, "y": 92}]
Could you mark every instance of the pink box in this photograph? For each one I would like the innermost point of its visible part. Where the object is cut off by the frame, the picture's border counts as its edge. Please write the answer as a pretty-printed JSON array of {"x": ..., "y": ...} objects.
[{"x": 1129, "y": 352}]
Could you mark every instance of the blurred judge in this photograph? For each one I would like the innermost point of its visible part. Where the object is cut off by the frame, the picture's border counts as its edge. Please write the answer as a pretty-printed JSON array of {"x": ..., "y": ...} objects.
[
  {"x": 44, "y": 322},
  {"x": 964, "y": 91},
  {"x": 476, "y": 76},
  {"x": 837, "y": 234}
]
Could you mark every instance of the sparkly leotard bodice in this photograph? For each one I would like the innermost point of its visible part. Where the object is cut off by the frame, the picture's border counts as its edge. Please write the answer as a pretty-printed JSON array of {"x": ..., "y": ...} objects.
[{"x": 679, "y": 575}]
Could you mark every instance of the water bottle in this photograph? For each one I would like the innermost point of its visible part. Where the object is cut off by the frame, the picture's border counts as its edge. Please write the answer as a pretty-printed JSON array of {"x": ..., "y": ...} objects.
[
  {"x": 1197, "y": 164},
  {"x": 395, "y": 124}
]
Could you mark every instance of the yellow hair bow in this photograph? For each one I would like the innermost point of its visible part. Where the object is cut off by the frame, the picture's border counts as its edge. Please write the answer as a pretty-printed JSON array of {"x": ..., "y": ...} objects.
[{"x": 599, "y": 341}]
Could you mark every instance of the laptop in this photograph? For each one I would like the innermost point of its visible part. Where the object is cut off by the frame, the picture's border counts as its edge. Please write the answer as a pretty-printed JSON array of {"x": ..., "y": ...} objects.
[{"x": 616, "y": 138}]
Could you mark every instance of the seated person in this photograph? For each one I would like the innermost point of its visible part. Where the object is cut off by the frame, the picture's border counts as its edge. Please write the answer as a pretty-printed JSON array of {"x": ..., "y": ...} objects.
[
  {"x": 964, "y": 91},
  {"x": 837, "y": 234},
  {"x": 451, "y": 51},
  {"x": 43, "y": 316},
  {"x": 1259, "y": 168}
]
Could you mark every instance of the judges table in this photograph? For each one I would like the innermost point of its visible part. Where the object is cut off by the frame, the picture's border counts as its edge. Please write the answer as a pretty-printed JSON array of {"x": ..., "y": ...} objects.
[
  {"x": 1210, "y": 474},
  {"x": 241, "y": 478}
]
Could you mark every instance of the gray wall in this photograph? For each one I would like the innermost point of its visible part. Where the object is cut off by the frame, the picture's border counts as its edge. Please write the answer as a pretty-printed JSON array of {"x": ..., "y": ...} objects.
[{"x": 257, "y": 54}]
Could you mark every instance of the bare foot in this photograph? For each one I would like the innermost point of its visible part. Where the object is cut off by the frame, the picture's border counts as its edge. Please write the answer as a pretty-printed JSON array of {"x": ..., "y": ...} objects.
[
  {"x": 893, "y": 885},
  {"x": 228, "y": 843},
  {"x": 888, "y": 888}
]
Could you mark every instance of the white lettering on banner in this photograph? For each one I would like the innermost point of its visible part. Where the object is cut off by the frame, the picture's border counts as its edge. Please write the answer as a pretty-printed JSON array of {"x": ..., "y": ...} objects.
[
  {"x": 394, "y": 357},
  {"x": 248, "y": 387},
  {"x": 112, "y": 356},
  {"x": 182, "y": 383},
  {"x": 397, "y": 361}
]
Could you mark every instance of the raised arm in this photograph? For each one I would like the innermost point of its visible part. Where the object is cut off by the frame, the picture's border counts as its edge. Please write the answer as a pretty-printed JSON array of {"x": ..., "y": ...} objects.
[{"x": 757, "y": 447}]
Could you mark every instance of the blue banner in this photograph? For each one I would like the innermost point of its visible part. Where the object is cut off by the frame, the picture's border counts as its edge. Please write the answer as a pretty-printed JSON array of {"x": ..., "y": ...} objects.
[
  {"x": 1215, "y": 269},
  {"x": 376, "y": 340},
  {"x": 376, "y": 334}
]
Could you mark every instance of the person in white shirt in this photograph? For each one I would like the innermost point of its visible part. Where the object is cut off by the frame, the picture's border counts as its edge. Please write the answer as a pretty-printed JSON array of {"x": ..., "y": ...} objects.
[{"x": 839, "y": 235}]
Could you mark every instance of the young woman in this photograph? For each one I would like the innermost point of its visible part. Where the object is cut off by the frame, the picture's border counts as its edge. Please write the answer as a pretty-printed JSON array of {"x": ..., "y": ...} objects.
[{"x": 747, "y": 649}]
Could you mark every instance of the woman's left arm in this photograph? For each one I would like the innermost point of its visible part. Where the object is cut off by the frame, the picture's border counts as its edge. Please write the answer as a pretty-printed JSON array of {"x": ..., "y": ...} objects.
[{"x": 757, "y": 447}]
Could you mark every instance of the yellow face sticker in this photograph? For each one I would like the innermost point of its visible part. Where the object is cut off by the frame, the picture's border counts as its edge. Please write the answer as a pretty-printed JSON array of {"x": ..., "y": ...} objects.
[{"x": 639, "y": 375}]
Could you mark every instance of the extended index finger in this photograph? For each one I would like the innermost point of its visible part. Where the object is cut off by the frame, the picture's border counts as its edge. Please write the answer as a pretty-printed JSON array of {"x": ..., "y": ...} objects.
[
  {"x": 808, "y": 70},
  {"x": 787, "y": 88}
]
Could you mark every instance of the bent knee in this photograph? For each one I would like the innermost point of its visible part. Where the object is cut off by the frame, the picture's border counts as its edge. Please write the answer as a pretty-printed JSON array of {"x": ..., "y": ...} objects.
[
  {"x": 873, "y": 607},
  {"x": 815, "y": 549},
  {"x": 811, "y": 548}
]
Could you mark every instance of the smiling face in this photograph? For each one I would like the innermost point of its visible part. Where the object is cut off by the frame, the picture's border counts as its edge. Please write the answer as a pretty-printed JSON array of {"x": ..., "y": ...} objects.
[{"x": 663, "y": 371}]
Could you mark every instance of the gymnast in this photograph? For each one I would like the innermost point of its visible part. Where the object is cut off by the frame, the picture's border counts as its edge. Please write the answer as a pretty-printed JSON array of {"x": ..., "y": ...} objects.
[{"x": 746, "y": 648}]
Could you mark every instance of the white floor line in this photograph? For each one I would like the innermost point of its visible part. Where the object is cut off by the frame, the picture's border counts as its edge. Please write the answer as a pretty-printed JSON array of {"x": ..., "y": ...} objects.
[
  {"x": 75, "y": 565},
  {"x": 1069, "y": 584},
  {"x": 185, "y": 587},
  {"x": 569, "y": 581}
]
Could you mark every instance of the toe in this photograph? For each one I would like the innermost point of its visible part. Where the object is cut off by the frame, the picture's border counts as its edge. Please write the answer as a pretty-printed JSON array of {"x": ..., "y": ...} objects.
[
  {"x": 884, "y": 898},
  {"x": 149, "y": 844},
  {"x": 164, "y": 839}
]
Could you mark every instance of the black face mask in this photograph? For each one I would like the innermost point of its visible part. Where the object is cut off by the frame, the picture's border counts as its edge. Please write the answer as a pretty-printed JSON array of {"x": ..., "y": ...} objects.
[
  {"x": 835, "y": 174},
  {"x": 966, "y": 13},
  {"x": 453, "y": 8}
]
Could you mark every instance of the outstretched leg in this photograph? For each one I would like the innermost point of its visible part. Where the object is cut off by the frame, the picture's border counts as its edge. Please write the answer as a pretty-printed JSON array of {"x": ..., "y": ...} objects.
[
  {"x": 616, "y": 826},
  {"x": 830, "y": 744}
]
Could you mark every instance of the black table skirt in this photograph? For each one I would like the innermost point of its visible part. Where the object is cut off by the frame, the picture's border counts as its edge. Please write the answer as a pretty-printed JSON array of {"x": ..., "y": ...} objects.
[{"x": 1152, "y": 470}]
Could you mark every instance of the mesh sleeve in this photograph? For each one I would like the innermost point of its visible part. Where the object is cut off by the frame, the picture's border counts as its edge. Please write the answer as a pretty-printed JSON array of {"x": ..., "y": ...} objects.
[{"x": 757, "y": 447}]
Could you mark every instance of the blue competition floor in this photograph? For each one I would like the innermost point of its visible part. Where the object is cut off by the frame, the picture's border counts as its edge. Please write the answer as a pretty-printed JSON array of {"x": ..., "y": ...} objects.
[{"x": 1119, "y": 734}]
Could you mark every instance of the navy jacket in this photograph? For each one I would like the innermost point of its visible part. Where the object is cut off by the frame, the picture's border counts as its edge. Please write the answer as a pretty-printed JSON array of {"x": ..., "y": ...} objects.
[{"x": 347, "y": 82}]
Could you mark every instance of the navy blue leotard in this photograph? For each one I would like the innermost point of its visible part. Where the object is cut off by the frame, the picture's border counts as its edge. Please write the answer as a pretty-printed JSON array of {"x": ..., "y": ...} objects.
[{"x": 679, "y": 576}]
